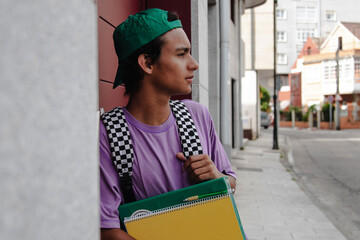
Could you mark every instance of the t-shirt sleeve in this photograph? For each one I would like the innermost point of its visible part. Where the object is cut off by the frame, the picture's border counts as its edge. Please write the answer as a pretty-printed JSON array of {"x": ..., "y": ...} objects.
[
  {"x": 217, "y": 152},
  {"x": 110, "y": 196},
  {"x": 210, "y": 140}
]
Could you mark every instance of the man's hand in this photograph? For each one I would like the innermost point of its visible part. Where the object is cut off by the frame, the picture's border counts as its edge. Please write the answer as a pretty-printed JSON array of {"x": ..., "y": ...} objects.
[{"x": 201, "y": 168}]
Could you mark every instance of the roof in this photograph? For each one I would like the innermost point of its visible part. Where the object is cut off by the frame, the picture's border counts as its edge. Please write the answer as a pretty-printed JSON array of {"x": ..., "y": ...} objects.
[
  {"x": 353, "y": 27},
  {"x": 312, "y": 44}
]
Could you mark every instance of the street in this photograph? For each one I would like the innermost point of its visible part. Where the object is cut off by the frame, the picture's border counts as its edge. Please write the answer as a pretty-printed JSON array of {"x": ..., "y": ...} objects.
[{"x": 327, "y": 167}]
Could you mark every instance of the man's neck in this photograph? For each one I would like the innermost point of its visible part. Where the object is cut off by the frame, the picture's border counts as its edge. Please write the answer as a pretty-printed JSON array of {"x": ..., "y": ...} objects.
[{"x": 148, "y": 108}]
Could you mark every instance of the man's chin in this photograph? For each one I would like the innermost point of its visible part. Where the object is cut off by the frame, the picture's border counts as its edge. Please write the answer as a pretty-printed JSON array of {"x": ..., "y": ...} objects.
[{"x": 182, "y": 95}]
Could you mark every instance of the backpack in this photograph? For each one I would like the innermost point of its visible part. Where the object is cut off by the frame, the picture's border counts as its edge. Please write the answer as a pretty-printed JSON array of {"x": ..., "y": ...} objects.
[{"x": 121, "y": 145}]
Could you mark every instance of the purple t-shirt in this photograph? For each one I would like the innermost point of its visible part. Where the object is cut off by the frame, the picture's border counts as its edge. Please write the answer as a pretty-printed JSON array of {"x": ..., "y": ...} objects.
[{"x": 156, "y": 169}]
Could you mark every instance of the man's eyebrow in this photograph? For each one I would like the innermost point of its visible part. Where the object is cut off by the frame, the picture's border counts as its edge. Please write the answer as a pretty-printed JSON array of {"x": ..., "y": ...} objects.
[{"x": 185, "y": 49}]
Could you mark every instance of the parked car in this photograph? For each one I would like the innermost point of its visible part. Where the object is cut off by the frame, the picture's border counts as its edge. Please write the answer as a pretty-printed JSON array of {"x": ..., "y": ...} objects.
[{"x": 265, "y": 120}]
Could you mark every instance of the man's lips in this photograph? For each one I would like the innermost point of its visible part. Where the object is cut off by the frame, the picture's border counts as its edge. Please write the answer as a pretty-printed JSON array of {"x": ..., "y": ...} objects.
[{"x": 190, "y": 77}]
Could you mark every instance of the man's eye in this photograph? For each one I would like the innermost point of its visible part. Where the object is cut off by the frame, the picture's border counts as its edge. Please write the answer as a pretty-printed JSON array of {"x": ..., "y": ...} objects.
[{"x": 181, "y": 54}]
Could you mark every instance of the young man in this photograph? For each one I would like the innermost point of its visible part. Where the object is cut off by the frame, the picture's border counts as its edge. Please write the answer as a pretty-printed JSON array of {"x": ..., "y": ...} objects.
[{"x": 155, "y": 64}]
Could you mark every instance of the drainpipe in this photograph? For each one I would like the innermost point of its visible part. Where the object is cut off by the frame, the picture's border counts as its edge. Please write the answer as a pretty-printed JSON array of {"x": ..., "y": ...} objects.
[
  {"x": 225, "y": 115},
  {"x": 319, "y": 18},
  {"x": 252, "y": 39},
  {"x": 241, "y": 131}
]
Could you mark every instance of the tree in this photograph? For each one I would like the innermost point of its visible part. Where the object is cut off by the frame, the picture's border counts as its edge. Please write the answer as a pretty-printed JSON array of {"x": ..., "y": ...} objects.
[
  {"x": 264, "y": 99},
  {"x": 326, "y": 112}
]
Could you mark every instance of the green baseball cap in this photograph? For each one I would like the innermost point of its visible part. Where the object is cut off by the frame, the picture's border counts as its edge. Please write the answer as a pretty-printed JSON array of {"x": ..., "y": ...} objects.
[{"x": 137, "y": 31}]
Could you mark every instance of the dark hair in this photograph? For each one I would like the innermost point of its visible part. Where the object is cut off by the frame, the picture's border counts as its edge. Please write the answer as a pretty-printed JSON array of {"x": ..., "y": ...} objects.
[{"x": 133, "y": 73}]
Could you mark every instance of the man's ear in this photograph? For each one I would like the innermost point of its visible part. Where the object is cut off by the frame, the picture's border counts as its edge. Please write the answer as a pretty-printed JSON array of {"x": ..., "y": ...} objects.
[{"x": 145, "y": 63}]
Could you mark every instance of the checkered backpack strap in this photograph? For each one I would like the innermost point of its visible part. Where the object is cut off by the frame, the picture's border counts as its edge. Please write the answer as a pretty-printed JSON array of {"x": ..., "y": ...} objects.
[
  {"x": 188, "y": 135},
  {"x": 121, "y": 149}
]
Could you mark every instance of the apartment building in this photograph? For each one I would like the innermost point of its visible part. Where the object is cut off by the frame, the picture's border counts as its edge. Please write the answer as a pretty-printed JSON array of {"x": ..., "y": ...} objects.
[
  {"x": 319, "y": 72},
  {"x": 296, "y": 20}
]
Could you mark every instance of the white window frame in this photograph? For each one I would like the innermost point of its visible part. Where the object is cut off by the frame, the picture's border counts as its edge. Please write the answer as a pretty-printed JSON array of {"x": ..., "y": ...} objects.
[
  {"x": 330, "y": 16},
  {"x": 303, "y": 34},
  {"x": 305, "y": 13},
  {"x": 357, "y": 70},
  {"x": 281, "y": 36},
  {"x": 281, "y": 59},
  {"x": 329, "y": 72},
  {"x": 281, "y": 14},
  {"x": 334, "y": 43}
]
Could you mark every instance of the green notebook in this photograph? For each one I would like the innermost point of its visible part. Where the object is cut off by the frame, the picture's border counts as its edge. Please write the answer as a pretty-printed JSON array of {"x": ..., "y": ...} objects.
[{"x": 172, "y": 216}]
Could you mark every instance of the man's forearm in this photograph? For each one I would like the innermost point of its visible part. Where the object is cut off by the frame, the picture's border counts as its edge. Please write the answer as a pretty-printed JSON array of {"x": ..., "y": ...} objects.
[
  {"x": 114, "y": 234},
  {"x": 232, "y": 181}
]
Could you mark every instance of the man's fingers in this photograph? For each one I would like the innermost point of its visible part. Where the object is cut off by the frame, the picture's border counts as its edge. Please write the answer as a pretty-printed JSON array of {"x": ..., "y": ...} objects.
[
  {"x": 181, "y": 156},
  {"x": 189, "y": 163},
  {"x": 207, "y": 175}
]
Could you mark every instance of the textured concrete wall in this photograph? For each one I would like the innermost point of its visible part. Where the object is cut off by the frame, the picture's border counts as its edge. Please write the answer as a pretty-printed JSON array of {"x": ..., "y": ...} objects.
[
  {"x": 263, "y": 42},
  {"x": 214, "y": 64},
  {"x": 199, "y": 41},
  {"x": 48, "y": 131}
]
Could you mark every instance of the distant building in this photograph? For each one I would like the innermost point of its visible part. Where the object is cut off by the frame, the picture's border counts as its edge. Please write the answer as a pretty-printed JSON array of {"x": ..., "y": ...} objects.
[
  {"x": 299, "y": 90},
  {"x": 319, "y": 71},
  {"x": 297, "y": 20},
  {"x": 284, "y": 97}
]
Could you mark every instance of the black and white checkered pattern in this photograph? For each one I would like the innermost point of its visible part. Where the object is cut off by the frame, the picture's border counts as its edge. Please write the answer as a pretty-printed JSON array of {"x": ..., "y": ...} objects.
[
  {"x": 189, "y": 137},
  {"x": 120, "y": 142}
]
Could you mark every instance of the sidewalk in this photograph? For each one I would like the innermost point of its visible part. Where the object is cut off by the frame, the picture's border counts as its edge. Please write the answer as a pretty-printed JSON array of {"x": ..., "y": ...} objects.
[{"x": 270, "y": 202}]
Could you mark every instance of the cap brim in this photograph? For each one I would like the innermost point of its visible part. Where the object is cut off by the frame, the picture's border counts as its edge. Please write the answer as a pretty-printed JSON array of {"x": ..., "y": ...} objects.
[{"x": 119, "y": 76}]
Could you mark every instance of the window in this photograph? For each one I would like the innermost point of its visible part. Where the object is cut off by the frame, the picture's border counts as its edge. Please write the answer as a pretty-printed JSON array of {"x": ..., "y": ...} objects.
[
  {"x": 357, "y": 70},
  {"x": 330, "y": 72},
  {"x": 304, "y": 34},
  {"x": 330, "y": 16},
  {"x": 345, "y": 70},
  {"x": 308, "y": 51},
  {"x": 281, "y": 58},
  {"x": 335, "y": 43},
  {"x": 280, "y": 14},
  {"x": 305, "y": 13},
  {"x": 281, "y": 36}
]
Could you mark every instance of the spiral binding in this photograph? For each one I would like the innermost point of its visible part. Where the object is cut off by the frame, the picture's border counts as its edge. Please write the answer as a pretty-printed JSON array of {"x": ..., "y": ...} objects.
[{"x": 178, "y": 207}]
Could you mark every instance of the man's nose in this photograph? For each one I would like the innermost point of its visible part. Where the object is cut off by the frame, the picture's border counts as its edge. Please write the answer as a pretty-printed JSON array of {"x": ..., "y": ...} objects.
[{"x": 194, "y": 65}]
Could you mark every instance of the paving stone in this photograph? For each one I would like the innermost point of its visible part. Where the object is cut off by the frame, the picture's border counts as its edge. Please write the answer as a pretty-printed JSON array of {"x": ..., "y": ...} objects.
[{"x": 270, "y": 203}]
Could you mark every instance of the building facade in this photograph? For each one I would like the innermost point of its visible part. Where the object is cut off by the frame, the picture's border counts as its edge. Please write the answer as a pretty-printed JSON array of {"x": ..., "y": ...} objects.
[
  {"x": 297, "y": 20},
  {"x": 303, "y": 92},
  {"x": 258, "y": 35},
  {"x": 319, "y": 75}
]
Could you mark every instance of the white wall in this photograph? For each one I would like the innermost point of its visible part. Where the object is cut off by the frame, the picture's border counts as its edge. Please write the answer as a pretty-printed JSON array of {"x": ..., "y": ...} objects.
[
  {"x": 199, "y": 41},
  {"x": 249, "y": 98},
  {"x": 48, "y": 100},
  {"x": 263, "y": 39},
  {"x": 214, "y": 64}
]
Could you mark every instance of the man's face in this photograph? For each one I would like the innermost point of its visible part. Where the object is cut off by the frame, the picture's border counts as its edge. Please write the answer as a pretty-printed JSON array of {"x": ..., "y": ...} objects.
[{"x": 173, "y": 72}]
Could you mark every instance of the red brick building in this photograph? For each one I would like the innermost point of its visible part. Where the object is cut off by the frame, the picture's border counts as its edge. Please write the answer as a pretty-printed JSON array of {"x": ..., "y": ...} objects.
[{"x": 310, "y": 47}]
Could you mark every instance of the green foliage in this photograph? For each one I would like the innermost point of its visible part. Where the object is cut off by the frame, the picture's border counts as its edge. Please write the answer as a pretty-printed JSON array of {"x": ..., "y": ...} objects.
[
  {"x": 312, "y": 108},
  {"x": 305, "y": 117},
  {"x": 326, "y": 112},
  {"x": 286, "y": 115},
  {"x": 264, "y": 106},
  {"x": 264, "y": 99},
  {"x": 296, "y": 109}
]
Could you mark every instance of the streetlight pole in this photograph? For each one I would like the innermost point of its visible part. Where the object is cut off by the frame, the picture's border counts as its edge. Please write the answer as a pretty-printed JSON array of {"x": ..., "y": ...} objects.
[
  {"x": 275, "y": 133},
  {"x": 337, "y": 95}
]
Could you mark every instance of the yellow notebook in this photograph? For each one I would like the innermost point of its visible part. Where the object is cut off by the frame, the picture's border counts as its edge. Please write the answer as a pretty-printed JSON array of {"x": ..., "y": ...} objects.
[{"x": 212, "y": 217}]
